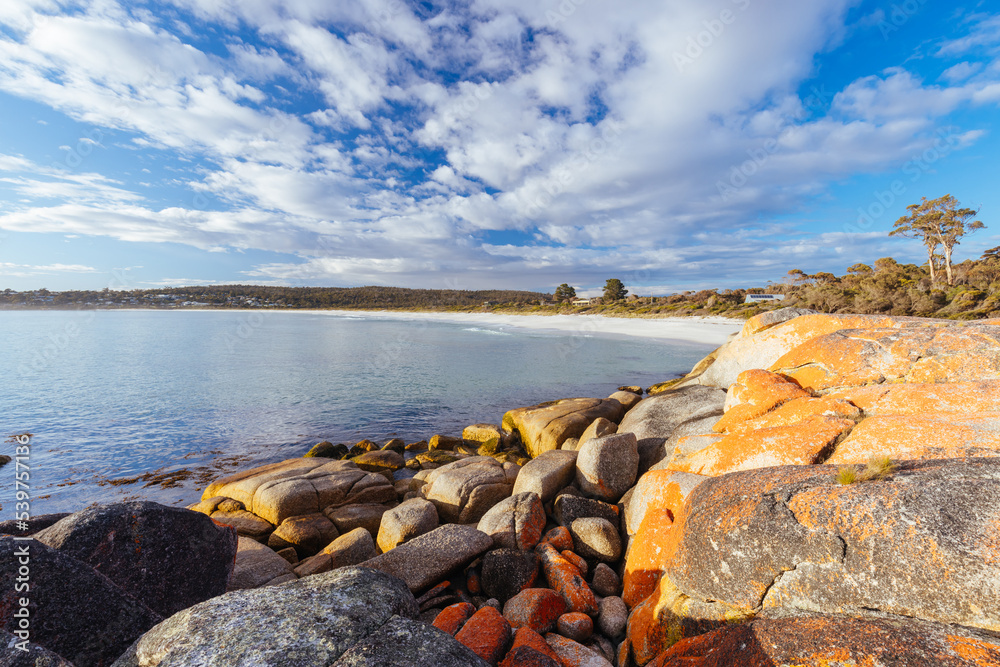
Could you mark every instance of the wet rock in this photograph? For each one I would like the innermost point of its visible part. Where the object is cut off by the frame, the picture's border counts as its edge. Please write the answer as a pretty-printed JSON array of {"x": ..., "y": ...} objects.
[
  {"x": 606, "y": 467},
  {"x": 327, "y": 450},
  {"x": 406, "y": 521},
  {"x": 432, "y": 557},
  {"x": 74, "y": 611},
  {"x": 516, "y": 522},
  {"x": 507, "y": 572},
  {"x": 547, "y": 474},
  {"x": 166, "y": 557}
]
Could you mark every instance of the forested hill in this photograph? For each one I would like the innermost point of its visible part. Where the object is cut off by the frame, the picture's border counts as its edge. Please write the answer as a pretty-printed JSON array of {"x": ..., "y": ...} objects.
[{"x": 256, "y": 296}]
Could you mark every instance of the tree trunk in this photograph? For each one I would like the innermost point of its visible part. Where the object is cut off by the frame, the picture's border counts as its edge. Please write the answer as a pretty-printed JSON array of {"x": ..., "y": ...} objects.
[
  {"x": 930, "y": 264},
  {"x": 947, "y": 263}
]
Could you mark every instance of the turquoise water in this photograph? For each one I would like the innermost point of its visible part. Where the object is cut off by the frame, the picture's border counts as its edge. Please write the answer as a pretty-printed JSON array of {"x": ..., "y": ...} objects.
[{"x": 113, "y": 395}]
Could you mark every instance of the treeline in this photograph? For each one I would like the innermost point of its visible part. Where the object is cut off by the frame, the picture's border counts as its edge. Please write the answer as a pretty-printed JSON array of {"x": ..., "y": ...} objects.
[{"x": 256, "y": 296}]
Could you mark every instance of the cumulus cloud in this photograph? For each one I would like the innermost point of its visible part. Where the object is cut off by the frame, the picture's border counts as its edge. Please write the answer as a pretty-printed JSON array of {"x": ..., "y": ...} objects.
[{"x": 380, "y": 141}]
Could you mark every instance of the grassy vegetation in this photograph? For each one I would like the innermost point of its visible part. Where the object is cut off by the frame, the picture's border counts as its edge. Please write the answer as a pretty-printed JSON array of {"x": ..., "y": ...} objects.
[{"x": 878, "y": 468}]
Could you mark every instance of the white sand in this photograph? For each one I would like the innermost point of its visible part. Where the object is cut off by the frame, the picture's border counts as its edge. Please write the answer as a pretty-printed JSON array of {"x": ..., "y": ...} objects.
[{"x": 707, "y": 330}]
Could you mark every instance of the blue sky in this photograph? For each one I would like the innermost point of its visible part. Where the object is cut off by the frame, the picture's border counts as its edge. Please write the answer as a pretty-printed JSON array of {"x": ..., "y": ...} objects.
[{"x": 674, "y": 144}]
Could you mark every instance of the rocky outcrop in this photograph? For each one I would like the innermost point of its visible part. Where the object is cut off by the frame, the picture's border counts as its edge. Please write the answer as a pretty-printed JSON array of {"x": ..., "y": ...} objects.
[
  {"x": 166, "y": 557},
  {"x": 516, "y": 522},
  {"x": 404, "y": 522},
  {"x": 257, "y": 565},
  {"x": 74, "y": 611},
  {"x": 606, "y": 467},
  {"x": 547, "y": 474},
  {"x": 430, "y": 558},
  {"x": 546, "y": 426},
  {"x": 403, "y": 642},
  {"x": 15, "y": 652}
]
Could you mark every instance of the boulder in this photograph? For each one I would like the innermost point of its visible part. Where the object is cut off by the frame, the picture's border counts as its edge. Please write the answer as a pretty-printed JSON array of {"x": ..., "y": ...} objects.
[
  {"x": 406, "y": 521},
  {"x": 403, "y": 642},
  {"x": 922, "y": 398},
  {"x": 17, "y": 652},
  {"x": 535, "y": 608},
  {"x": 575, "y": 653},
  {"x": 564, "y": 578},
  {"x": 444, "y": 442},
  {"x": 35, "y": 524},
  {"x": 771, "y": 318},
  {"x": 507, "y": 572},
  {"x": 327, "y": 450},
  {"x": 307, "y": 534},
  {"x": 483, "y": 433},
  {"x": 792, "y": 412},
  {"x": 756, "y": 392},
  {"x": 547, "y": 474},
  {"x": 628, "y": 399},
  {"x": 659, "y": 490},
  {"x": 820, "y": 640},
  {"x": 168, "y": 558},
  {"x": 596, "y": 538},
  {"x": 302, "y": 486},
  {"x": 394, "y": 445},
  {"x": 465, "y": 490},
  {"x": 257, "y": 565},
  {"x": 349, "y": 517},
  {"x": 432, "y": 557},
  {"x": 352, "y": 548},
  {"x": 546, "y": 426},
  {"x": 605, "y": 581},
  {"x": 792, "y": 537},
  {"x": 568, "y": 508},
  {"x": 453, "y": 617},
  {"x": 576, "y": 626},
  {"x": 856, "y": 357},
  {"x": 612, "y": 615},
  {"x": 657, "y": 419},
  {"x": 246, "y": 524},
  {"x": 606, "y": 467},
  {"x": 598, "y": 428},
  {"x": 74, "y": 611},
  {"x": 312, "y": 621},
  {"x": 516, "y": 522},
  {"x": 488, "y": 634}
]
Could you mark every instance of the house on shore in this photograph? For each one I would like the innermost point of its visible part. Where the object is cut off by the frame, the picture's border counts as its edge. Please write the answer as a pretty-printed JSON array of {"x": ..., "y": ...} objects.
[{"x": 760, "y": 298}]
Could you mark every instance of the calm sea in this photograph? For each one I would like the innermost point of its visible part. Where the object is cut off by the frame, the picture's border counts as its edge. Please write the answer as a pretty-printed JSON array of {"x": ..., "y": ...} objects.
[{"x": 188, "y": 395}]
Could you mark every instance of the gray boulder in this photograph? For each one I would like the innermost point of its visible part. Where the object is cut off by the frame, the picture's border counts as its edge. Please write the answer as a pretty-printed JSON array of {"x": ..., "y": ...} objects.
[
  {"x": 168, "y": 558},
  {"x": 547, "y": 474},
  {"x": 35, "y": 524},
  {"x": 402, "y": 523},
  {"x": 403, "y": 642},
  {"x": 507, "y": 572},
  {"x": 606, "y": 467},
  {"x": 665, "y": 417},
  {"x": 463, "y": 491},
  {"x": 17, "y": 652},
  {"x": 312, "y": 621},
  {"x": 596, "y": 538},
  {"x": 75, "y": 611},
  {"x": 430, "y": 558},
  {"x": 569, "y": 508},
  {"x": 516, "y": 522},
  {"x": 366, "y": 515}
]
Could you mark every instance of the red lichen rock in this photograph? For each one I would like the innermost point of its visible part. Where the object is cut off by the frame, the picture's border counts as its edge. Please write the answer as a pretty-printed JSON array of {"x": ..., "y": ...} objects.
[
  {"x": 574, "y": 654},
  {"x": 566, "y": 580},
  {"x": 453, "y": 617},
  {"x": 525, "y": 656},
  {"x": 535, "y": 608},
  {"x": 488, "y": 634},
  {"x": 516, "y": 522},
  {"x": 814, "y": 640},
  {"x": 528, "y": 638},
  {"x": 575, "y": 626},
  {"x": 559, "y": 538},
  {"x": 580, "y": 564}
]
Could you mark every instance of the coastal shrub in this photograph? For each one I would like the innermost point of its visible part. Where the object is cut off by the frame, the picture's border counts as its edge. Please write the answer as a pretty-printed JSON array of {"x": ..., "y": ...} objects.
[{"x": 877, "y": 468}]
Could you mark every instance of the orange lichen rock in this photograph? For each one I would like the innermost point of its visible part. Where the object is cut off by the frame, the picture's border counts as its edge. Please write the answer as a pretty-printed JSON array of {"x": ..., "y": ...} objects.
[
  {"x": 802, "y": 443},
  {"x": 565, "y": 579},
  {"x": 580, "y": 564},
  {"x": 853, "y": 357},
  {"x": 524, "y": 656},
  {"x": 647, "y": 556},
  {"x": 662, "y": 490},
  {"x": 527, "y": 637},
  {"x": 453, "y": 617},
  {"x": 815, "y": 640},
  {"x": 799, "y": 409},
  {"x": 488, "y": 634},
  {"x": 916, "y": 437},
  {"x": 924, "y": 398},
  {"x": 559, "y": 537},
  {"x": 755, "y": 393}
]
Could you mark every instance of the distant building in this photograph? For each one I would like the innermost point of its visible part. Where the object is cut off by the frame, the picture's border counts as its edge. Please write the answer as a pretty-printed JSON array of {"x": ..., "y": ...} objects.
[
  {"x": 582, "y": 302},
  {"x": 757, "y": 298}
]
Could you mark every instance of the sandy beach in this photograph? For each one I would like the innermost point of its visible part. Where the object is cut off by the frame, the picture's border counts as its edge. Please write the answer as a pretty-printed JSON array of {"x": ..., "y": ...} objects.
[{"x": 708, "y": 330}]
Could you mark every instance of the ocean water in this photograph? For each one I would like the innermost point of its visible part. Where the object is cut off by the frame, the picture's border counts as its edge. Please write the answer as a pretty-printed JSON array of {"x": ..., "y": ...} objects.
[{"x": 153, "y": 404}]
